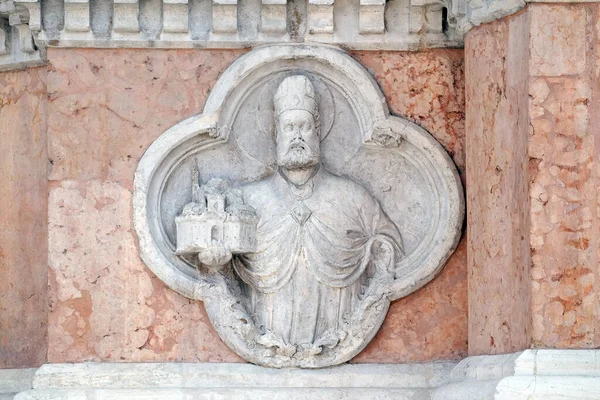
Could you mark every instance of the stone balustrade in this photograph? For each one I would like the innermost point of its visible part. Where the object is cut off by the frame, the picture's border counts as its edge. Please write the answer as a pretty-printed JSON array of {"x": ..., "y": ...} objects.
[{"x": 368, "y": 24}]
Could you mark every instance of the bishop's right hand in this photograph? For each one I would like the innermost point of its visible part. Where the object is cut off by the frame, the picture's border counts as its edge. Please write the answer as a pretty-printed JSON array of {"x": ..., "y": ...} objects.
[{"x": 216, "y": 256}]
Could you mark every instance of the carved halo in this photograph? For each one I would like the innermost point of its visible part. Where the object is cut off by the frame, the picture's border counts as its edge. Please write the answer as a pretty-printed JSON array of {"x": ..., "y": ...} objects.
[{"x": 433, "y": 206}]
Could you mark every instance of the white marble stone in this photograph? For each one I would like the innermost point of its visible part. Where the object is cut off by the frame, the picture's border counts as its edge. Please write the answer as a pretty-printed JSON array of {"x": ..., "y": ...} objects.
[
  {"x": 35, "y": 17},
  {"x": 175, "y": 16},
  {"x": 274, "y": 16},
  {"x": 548, "y": 388},
  {"x": 224, "y": 16},
  {"x": 465, "y": 14},
  {"x": 358, "y": 26},
  {"x": 17, "y": 48},
  {"x": 371, "y": 18},
  {"x": 234, "y": 381},
  {"x": 531, "y": 375},
  {"x": 335, "y": 241},
  {"x": 364, "y": 25},
  {"x": 77, "y": 15},
  {"x": 528, "y": 375},
  {"x": 125, "y": 16},
  {"x": 553, "y": 375},
  {"x": 230, "y": 375},
  {"x": 225, "y": 393},
  {"x": 320, "y": 17},
  {"x": 426, "y": 16},
  {"x": 476, "y": 378},
  {"x": 558, "y": 362},
  {"x": 13, "y": 381}
]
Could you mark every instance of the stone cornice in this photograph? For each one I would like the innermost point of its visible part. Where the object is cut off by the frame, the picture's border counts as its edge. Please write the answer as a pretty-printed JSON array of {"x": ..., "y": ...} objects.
[
  {"x": 531, "y": 374},
  {"x": 463, "y": 15},
  {"x": 466, "y": 14},
  {"x": 363, "y": 25}
]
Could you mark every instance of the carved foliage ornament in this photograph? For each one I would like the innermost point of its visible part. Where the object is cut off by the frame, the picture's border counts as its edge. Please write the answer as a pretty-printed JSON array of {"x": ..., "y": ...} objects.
[{"x": 296, "y": 207}]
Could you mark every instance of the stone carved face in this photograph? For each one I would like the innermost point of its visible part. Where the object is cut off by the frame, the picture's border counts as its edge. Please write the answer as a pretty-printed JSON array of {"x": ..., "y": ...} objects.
[{"x": 297, "y": 140}]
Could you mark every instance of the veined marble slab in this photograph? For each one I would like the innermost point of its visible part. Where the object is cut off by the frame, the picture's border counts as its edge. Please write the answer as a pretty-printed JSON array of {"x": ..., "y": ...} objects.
[
  {"x": 531, "y": 374},
  {"x": 234, "y": 381},
  {"x": 13, "y": 381}
]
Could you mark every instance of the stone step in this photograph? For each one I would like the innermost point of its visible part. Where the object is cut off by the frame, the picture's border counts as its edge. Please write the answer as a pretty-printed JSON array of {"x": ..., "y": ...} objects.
[
  {"x": 231, "y": 375},
  {"x": 226, "y": 393}
]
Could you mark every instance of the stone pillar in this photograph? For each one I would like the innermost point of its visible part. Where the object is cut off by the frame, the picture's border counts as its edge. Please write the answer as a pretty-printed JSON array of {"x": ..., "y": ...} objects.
[
  {"x": 497, "y": 186},
  {"x": 23, "y": 219},
  {"x": 532, "y": 179}
]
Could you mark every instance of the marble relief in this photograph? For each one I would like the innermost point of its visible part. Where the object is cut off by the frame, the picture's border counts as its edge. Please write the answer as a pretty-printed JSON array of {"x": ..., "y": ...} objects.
[{"x": 296, "y": 207}]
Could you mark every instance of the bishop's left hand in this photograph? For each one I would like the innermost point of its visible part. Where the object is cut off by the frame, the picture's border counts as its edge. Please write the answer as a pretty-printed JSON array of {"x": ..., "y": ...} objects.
[{"x": 383, "y": 254}]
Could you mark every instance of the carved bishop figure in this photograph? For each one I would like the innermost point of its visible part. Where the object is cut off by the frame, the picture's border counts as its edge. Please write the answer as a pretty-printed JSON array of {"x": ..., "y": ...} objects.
[
  {"x": 321, "y": 239},
  {"x": 299, "y": 267}
]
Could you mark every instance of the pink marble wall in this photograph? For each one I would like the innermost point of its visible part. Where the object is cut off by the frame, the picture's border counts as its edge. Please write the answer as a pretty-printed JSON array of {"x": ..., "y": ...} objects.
[
  {"x": 552, "y": 48},
  {"x": 105, "y": 108},
  {"x": 564, "y": 109},
  {"x": 23, "y": 219},
  {"x": 496, "y": 57},
  {"x": 428, "y": 89},
  {"x": 530, "y": 158}
]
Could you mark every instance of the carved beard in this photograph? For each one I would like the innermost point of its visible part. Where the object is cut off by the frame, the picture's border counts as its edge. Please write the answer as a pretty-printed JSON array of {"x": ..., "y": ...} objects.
[{"x": 299, "y": 154}]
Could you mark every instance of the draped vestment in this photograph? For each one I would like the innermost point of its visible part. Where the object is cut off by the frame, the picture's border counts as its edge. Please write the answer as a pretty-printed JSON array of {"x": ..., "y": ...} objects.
[{"x": 313, "y": 253}]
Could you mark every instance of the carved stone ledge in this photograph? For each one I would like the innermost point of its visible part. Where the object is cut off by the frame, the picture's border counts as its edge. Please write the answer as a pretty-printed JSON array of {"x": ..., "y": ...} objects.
[
  {"x": 527, "y": 375},
  {"x": 365, "y": 25},
  {"x": 104, "y": 381},
  {"x": 13, "y": 381},
  {"x": 17, "y": 47}
]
